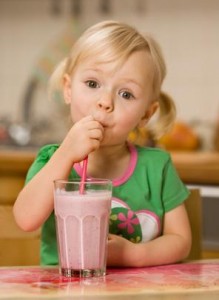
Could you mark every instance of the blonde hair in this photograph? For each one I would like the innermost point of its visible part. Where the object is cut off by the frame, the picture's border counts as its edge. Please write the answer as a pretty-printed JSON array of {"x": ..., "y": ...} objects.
[{"x": 115, "y": 41}]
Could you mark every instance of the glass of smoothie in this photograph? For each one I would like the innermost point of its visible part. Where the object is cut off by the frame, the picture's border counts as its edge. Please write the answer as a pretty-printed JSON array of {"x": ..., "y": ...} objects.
[{"x": 82, "y": 225}]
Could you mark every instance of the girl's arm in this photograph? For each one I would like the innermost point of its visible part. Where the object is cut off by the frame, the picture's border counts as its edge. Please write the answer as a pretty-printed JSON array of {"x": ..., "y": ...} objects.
[
  {"x": 35, "y": 202},
  {"x": 173, "y": 246}
]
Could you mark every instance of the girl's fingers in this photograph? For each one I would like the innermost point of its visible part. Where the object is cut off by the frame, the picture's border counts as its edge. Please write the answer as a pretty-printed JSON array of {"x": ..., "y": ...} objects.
[
  {"x": 95, "y": 125},
  {"x": 92, "y": 123},
  {"x": 96, "y": 134}
]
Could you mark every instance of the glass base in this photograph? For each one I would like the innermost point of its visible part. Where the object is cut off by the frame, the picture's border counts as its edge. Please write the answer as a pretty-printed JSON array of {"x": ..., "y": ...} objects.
[{"x": 83, "y": 272}]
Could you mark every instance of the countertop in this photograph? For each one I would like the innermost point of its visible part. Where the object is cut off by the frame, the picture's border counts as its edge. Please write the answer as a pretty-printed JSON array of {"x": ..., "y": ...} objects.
[
  {"x": 193, "y": 167},
  {"x": 196, "y": 280}
]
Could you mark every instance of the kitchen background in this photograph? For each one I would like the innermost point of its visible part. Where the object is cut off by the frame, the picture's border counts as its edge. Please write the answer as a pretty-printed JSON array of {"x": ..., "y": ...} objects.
[{"x": 35, "y": 35}]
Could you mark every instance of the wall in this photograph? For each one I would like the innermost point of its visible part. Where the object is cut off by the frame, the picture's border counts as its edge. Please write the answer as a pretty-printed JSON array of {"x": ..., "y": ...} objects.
[{"x": 188, "y": 32}]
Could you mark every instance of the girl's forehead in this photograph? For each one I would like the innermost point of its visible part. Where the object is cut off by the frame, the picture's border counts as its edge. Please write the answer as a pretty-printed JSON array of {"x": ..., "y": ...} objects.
[
  {"x": 114, "y": 61},
  {"x": 96, "y": 63}
]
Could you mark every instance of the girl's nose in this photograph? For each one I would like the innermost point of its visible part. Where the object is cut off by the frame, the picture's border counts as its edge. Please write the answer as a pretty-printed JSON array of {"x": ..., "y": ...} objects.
[{"x": 106, "y": 103}]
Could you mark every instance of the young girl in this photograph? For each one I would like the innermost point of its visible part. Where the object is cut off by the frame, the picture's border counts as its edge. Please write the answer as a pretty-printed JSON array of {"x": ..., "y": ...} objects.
[{"x": 112, "y": 82}]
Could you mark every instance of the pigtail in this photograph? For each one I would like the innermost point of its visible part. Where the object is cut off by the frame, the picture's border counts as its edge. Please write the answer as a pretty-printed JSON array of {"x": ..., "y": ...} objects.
[
  {"x": 56, "y": 80},
  {"x": 166, "y": 117}
]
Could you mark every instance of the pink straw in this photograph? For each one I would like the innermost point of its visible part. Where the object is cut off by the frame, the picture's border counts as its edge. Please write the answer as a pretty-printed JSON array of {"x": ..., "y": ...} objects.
[{"x": 84, "y": 175}]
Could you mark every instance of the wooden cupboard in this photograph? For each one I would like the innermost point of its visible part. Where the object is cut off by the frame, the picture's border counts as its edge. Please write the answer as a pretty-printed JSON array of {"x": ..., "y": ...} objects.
[{"x": 16, "y": 247}]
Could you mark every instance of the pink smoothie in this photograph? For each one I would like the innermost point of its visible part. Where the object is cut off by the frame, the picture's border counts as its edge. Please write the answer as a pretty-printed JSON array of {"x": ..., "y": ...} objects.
[{"x": 82, "y": 228}]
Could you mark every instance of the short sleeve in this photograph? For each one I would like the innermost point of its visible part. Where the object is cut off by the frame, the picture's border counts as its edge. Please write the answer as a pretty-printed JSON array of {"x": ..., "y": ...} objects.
[
  {"x": 43, "y": 156},
  {"x": 174, "y": 190}
]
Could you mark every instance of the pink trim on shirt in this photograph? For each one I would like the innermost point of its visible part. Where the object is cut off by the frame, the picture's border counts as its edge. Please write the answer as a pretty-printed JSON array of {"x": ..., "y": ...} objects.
[
  {"x": 128, "y": 173},
  {"x": 131, "y": 167}
]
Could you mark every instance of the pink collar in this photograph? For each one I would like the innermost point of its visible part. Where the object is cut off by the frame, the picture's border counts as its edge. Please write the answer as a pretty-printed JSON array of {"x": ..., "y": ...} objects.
[{"x": 128, "y": 173}]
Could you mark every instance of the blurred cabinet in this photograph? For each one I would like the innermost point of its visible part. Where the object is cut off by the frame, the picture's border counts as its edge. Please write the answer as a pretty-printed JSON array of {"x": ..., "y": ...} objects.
[
  {"x": 197, "y": 167},
  {"x": 16, "y": 247}
]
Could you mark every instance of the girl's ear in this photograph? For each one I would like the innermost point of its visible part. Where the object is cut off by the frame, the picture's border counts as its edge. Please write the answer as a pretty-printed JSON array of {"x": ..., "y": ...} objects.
[
  {"x": 67, "y": 88},
  {"x": 148, "y": 114}
]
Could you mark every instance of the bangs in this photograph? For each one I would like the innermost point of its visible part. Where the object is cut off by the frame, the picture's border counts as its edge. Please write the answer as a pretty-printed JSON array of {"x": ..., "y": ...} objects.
[
  {"x": 107, "y": 45},
  {"x": 112, "y": 42}
]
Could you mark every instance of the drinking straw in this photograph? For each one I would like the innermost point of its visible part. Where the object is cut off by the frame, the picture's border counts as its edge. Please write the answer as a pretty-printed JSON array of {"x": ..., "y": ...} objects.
[{"x": 84, "y": 175}]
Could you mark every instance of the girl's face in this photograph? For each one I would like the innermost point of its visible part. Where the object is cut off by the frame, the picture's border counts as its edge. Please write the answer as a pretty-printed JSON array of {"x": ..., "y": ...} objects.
[{"x": 119, "y": 98}]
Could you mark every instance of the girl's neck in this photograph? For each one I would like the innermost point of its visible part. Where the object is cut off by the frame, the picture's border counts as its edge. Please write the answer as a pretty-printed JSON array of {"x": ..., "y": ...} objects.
[
  {"x": 109, "y": 162},
  {"x": 111, "y": 152}
]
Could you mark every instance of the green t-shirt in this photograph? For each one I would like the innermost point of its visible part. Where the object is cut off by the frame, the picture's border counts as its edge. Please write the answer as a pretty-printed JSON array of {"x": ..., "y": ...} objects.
[{"x": 149, "y": 188}]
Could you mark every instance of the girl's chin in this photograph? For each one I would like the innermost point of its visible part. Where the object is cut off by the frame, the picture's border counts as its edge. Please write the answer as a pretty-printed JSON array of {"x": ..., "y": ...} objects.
[{"x": 112, "y": 143}]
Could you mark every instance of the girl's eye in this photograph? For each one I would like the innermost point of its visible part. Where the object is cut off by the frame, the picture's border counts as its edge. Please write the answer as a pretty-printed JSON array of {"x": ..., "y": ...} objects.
[
  {"x": 92, "y": 84},
  {"x": 126, "y": 95}
]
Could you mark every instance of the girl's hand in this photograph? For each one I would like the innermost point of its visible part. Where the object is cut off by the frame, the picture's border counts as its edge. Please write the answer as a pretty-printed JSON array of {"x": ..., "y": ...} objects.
[
  {"x": 84, "y": 137},
  {"x": 120, "y": 251},
  {"x": 171, "y": 247}
]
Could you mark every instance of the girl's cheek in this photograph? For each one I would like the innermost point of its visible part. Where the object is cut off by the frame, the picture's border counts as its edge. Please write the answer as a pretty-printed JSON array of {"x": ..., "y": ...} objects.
[
  {"x": 130, "y": 119},
  {"x": 78, "y": 112}
]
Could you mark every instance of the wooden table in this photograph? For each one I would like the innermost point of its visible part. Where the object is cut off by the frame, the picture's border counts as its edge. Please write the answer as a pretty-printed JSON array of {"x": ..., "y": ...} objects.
[{"x": 196, "y": 280}]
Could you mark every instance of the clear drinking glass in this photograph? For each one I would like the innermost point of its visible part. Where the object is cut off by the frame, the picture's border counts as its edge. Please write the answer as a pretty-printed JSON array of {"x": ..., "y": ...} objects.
[{"x": 82, "y": 224}]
